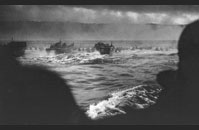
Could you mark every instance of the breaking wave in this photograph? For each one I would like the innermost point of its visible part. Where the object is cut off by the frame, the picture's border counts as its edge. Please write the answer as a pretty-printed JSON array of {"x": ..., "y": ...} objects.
[
  {"x": 73, "y": 58},
  {"x": 138, "y": 97},
  {"x": 92, "y": 82},
  {"x": 41, "y": 56}
]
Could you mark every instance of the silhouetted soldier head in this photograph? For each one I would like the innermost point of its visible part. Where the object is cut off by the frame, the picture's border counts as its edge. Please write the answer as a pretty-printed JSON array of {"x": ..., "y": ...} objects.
[
  {"x": 188, "y": 52},
  {"x": 188, "y": 69},
  {"x": 181, "y": 87}
]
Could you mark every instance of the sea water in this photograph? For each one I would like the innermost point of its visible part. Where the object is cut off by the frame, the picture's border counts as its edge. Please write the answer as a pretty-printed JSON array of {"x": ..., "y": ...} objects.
[{"x": 103, "y": 85}]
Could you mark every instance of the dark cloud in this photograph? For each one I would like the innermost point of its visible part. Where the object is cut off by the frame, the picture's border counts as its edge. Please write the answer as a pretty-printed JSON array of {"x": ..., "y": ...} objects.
[
  {"x": 166, "y": 14},
  {"x": 27, "y": 12},
  {"x": 145, "y": 8}
]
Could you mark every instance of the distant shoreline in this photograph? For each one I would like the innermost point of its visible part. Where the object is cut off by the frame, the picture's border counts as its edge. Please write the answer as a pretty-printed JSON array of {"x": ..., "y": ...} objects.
[{"x": 83, "y": 40}]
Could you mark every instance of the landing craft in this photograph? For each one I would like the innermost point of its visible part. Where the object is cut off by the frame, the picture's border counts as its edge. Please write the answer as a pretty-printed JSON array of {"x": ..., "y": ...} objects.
[
  {"x": 17, "y": 44},
  {"x": 18, "y": 47},
  {"x": 104, "y": 48},
  {"x": 60, "y": 47}
]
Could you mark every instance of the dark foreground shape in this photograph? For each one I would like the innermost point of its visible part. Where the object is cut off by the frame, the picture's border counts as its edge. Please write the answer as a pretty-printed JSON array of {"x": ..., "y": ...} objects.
[
  {"x": 34, "y": 95},
  {"x": 178, "y": 102},
  {"x": 181, "y": 89}
]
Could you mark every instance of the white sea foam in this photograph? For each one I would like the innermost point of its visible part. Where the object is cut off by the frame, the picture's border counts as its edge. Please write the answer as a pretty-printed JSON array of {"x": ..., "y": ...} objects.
[
  {"x": 75, "y": 58},
  {"x": 138, "y": 97},
  {"x": 86, "y": 57}
]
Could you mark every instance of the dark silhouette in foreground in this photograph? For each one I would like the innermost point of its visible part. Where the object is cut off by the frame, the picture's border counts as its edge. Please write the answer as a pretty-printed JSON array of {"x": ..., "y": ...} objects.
[
  {"x": 183, "y": 84},
  {"x": 33, "y": 95},
  {"x": 178, "y": 101}
]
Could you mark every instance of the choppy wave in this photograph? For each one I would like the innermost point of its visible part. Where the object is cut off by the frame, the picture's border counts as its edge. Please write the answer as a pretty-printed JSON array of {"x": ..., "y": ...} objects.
[
  {"x": 138, "y": 97},
  {"x": 86, "y": 57},
  {"x": 75, "y": 58},
  {"x": 90, "y": 83}
]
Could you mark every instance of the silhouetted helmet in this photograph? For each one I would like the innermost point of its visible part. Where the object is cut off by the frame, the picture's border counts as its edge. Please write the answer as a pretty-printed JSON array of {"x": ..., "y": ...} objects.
[
  {"x": 188, "y": 52},
  {"x": 188, "y": 45}
]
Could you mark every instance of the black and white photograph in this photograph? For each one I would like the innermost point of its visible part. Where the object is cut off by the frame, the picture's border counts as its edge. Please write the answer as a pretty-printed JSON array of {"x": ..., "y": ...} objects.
[{"x": 99, "y": 64}]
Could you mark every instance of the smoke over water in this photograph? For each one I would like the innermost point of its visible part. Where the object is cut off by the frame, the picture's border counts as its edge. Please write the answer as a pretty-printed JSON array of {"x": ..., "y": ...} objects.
[{"x": 82, "y": 31}]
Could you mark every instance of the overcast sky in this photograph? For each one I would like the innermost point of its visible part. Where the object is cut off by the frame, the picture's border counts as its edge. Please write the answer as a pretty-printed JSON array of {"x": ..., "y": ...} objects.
[{"x": 161, "y": 14}]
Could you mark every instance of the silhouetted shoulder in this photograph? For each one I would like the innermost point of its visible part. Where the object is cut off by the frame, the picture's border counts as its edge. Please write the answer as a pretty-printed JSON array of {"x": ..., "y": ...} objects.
[
  {"x": 37, "y": 73},
  {"x": 167, "y": 79},
  {"x": 35, "y": 95}
]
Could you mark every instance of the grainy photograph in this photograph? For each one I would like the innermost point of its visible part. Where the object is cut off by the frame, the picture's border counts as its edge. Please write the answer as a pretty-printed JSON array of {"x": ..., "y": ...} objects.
[{"x": 99, "y": 64}]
